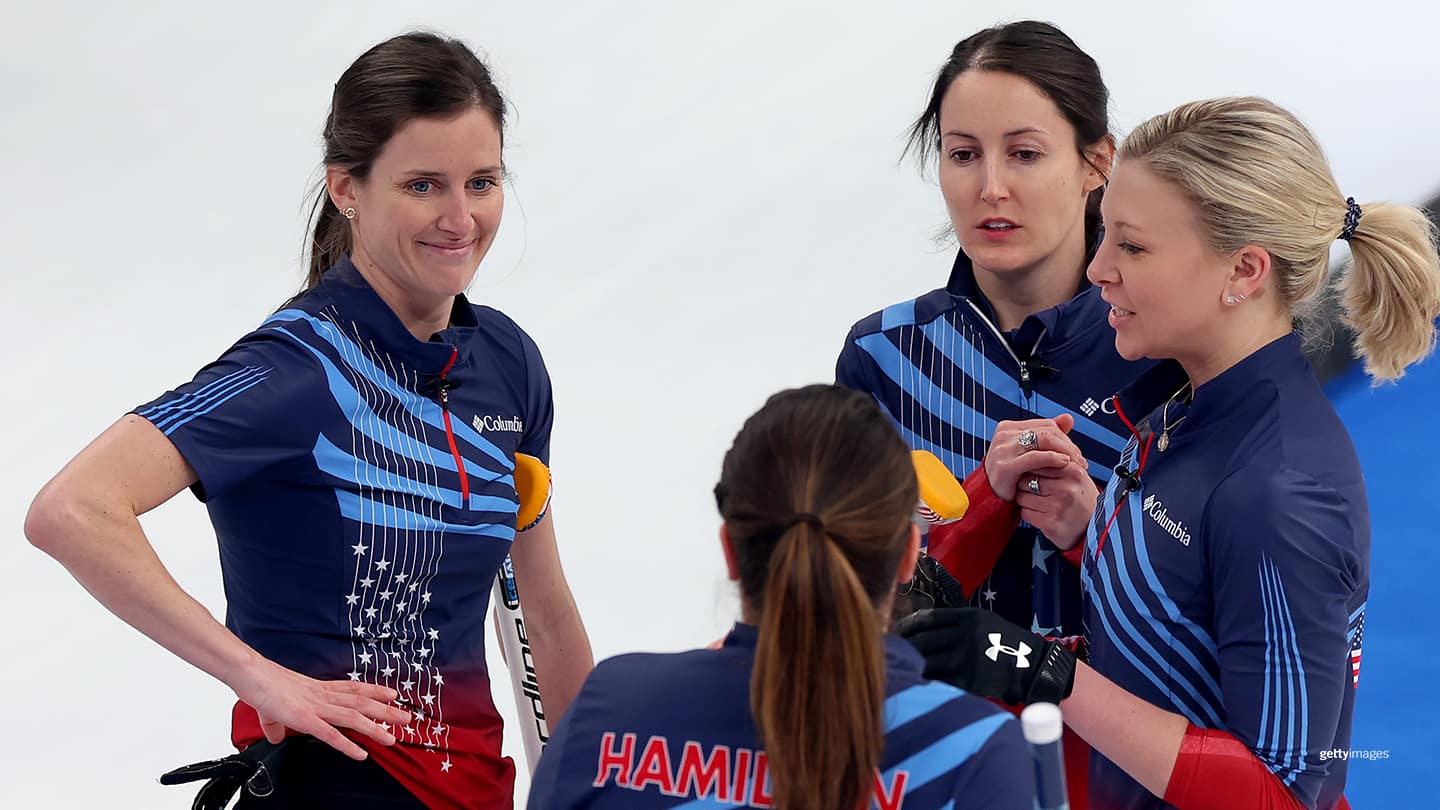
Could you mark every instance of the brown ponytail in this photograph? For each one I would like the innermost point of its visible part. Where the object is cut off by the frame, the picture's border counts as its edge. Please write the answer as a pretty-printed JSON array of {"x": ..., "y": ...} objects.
[
  {"x": 816, "y": 493},
  {"x": 819, "y": 677}
]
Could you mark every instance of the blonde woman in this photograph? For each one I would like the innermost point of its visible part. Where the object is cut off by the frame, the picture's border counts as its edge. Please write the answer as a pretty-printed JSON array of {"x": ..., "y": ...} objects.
[{"x": 1226, "y": 568}]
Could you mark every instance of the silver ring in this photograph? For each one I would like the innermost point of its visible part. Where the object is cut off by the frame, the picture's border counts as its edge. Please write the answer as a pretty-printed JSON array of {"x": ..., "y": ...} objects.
[
  {"x": 1033, "y": 485},
  {"x": 1027, "y": 439}
]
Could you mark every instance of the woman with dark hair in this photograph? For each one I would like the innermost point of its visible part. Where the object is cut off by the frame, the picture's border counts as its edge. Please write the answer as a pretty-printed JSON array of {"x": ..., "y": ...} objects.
[
  {"x": 358, "y": 455},
  {"x": 807, "y": 705},
  {"x": 1006, "y": 373}
]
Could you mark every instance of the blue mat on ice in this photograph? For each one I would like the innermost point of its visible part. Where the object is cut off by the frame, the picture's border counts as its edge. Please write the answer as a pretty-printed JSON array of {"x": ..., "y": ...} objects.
[{"x": 1398, "y": 708}]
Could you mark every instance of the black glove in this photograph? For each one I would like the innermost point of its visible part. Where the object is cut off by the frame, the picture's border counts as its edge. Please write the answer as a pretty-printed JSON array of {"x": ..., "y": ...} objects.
[
  {"x": 253, "y": 768},
  {"x": 982, "y": 653},
  {"x": 931, "y": 587}
]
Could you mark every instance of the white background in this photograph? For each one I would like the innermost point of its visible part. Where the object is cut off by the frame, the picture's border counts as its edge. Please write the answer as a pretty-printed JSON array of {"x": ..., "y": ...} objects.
[{"x": 704, "y": 198}]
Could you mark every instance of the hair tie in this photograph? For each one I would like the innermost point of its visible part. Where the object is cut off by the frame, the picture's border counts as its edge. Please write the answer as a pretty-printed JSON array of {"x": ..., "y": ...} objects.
[
  {"x": 1352, "y": 218},
  {"x": 805, "y": 517}
]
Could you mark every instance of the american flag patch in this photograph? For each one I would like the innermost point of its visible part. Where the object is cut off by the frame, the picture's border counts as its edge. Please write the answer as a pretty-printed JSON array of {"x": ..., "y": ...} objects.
[
  {"x": 1357, "y": 634},
  {"x": 927, "y": 514}
]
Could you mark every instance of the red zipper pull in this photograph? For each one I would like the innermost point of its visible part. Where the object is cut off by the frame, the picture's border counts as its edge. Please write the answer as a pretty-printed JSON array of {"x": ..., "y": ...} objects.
[{"x": 449, "y": 433}]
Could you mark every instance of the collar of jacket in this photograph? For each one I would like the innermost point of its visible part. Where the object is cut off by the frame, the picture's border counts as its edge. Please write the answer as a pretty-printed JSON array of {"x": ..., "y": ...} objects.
[
  {"x": 1278, "y": 360},
  {"x": 357, "y": 301},
  {"x": 1046, "y": 330}
]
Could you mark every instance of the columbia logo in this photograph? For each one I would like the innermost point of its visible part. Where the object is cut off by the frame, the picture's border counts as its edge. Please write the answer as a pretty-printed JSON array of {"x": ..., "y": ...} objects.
[
  {"x": 483, "y": 424},
  {"x": 1155, "y": 509},
  {"x": 1089, "y": 407}
]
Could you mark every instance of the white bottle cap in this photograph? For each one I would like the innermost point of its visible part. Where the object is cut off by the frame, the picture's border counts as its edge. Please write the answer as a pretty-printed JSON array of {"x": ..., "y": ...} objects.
[{"x": 1041, "y": 723}]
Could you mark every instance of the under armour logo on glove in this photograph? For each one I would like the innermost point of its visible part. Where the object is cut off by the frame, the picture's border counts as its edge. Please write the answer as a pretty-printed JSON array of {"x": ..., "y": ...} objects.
[
  {"x": 954, "y": 643},
  {"x": 1021, "y": 662}
]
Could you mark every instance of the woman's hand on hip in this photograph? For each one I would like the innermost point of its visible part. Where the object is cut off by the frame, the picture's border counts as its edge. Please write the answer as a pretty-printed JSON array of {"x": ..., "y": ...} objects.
[{"x": 285, "y": 699}]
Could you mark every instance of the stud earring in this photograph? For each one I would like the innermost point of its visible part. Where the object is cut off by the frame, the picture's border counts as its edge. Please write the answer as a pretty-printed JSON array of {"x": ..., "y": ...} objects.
[
  {"x": 1230, "y": 299},
  {"x": 348, "y": 212}
]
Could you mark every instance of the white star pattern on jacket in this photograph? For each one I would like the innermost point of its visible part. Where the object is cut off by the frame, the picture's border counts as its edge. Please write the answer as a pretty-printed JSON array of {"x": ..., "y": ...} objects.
[{"x": 393, "y": 565}]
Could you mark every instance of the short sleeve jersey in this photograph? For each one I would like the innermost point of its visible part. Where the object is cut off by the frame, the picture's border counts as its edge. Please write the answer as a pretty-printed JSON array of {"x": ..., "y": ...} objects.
[
  {"x": 675, "y": 731},
  {"x": 946, "y": 374},
  {"x": 1231, "y": 584},
  {"x": 360, "y": 484}
]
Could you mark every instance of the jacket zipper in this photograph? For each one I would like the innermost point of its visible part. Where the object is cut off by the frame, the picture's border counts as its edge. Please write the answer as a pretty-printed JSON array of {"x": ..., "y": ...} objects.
[
  {"x": 1027, "y": 383},
  {"x": 450, "y": 434}
]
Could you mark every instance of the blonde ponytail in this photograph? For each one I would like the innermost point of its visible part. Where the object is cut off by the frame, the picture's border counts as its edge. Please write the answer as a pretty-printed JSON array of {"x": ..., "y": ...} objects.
[{"x": 1390, "y": 291}]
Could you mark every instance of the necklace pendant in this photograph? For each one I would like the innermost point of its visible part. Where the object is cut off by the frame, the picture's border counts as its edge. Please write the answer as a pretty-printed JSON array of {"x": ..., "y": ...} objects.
[{"x": 1164, "y": 443}]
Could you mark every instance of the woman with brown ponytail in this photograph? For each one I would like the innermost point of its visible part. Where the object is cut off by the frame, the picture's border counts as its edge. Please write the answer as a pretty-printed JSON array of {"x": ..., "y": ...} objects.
[{"x": 808, "y": 705}]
